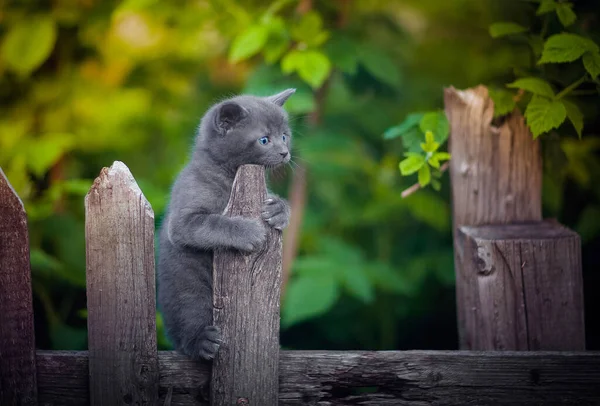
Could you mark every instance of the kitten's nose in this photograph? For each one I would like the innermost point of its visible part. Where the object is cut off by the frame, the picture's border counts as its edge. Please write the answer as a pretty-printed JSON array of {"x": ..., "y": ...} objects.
[{"x": 284, "y": 154}]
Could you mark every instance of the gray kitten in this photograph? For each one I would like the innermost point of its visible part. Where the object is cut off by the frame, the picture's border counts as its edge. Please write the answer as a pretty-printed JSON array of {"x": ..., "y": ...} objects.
[{"x": 238, "y": 131}]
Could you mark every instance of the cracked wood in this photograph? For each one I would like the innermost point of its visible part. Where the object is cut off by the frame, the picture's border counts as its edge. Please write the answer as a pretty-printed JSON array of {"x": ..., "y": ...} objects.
[
  {"x": 246, "y": 291},
  {"x": 119, "y": 233}
]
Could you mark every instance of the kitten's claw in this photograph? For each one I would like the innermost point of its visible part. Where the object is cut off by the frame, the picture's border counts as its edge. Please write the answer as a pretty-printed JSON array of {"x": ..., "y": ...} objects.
[
  {"x": 276, "y": 212},
  {"x": 254, "y": 235},
  {"x": 210, "y": 340}
]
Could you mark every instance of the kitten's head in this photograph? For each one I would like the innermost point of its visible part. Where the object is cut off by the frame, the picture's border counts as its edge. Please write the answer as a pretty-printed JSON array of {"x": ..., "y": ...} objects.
[{"x": 248, "y": 130}]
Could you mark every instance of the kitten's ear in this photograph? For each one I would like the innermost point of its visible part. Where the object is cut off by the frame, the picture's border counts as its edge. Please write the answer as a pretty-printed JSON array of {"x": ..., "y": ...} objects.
[
  {"x": 228, "y": 115},
  {"x": 280, "y": 98}
]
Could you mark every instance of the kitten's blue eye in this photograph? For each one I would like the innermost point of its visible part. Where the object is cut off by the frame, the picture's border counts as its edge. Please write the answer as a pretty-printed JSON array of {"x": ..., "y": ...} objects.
[
  {"x": 264, "y": 140},
  {"x": 284, "y": 138}
]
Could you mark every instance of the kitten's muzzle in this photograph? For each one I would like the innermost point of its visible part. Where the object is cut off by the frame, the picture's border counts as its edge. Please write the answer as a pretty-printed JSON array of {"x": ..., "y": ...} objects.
[{"x": 284, "y": 154}]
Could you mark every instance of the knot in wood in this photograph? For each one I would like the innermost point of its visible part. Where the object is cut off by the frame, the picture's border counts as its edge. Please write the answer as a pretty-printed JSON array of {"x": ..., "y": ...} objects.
[{"x": 485, "y": 261}]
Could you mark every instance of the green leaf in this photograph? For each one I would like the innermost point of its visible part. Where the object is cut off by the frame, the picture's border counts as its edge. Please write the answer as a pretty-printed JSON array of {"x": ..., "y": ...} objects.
[
  {"x": 411, "y": 140},
  {"x": 502, "y": 29},
  {"x": 43, "y": 152},
  {"x": 436, "y": 185},
  {"x": 357, "y": 283},
  {"x": 303, "y": 101},
  {"x": 546, "y": 6},
  {"x": 342, "y": 52},
  {"x": 442, "y": 156},
  {"x": 380, "y": 65},
  {"x": 591, "y": 62},
  {"x": 543, "y": 114},
  {"x": 437, "y": 123},
  {"x": 411, "y": 121},
  {"x": 537, "y": 45},
  {"x": 433, "y": 161},
  {"x": 278, "y": 41},
  {"x": 411, "y": 164},
  {"x": 431, "y": 209},
  {"x": 309, "y": 296},
  {"x": 566, "y": 48},
  {"x": 290, "y": 61},
  {"x": 77, "y": 187},
  {"x": 309, "y": 30},
  {"x": 504, "y": 102},
  {"x": 29, "y": 43},
  {"x": 313, "y": 67},
  {"x": 533, "y": 85},
  {"x": 248, "y": 43},
  {"x": 424, "y": 175},
  {"x": 565, "y": 14},
  {"x": 575, "y": 115},
  {"x": 429, "y": 145}
]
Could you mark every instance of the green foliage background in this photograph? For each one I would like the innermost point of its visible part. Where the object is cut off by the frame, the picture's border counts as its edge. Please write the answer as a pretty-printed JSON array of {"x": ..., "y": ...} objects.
[{"x": 87, "y": 82}]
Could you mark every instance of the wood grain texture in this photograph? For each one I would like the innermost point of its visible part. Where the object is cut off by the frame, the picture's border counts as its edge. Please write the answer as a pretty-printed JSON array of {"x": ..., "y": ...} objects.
[
  {"x": 413, "y": 378},
  {"x": 119, "y": 227},
  {"x": 495, "y": 172},
  {"x": 246, "y": 292},
  {"x": 525, "y": 284},
  {"x": 17, "y": 336}
]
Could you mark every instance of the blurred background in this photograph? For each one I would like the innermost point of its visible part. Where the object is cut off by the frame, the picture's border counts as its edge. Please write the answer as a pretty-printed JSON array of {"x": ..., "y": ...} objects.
[{"x": 87, "y": 82}]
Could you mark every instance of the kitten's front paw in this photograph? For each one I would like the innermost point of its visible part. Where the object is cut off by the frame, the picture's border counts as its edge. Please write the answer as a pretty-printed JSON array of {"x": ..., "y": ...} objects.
[
  {"x": 276, "y": 212},
  {"x": 209, "y": 342},
  {"x": 254, "y": 235}
]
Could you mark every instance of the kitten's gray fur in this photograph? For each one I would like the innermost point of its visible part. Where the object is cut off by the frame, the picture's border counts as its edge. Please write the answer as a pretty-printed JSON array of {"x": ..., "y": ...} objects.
[{"x": 194, "y": 226}]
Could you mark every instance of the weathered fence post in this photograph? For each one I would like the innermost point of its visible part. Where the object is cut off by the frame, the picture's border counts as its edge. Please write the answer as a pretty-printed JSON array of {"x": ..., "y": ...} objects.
[
  {"x": 123, "y": 359},
  {"x": 515, "y": 285},
  {"x": 17, "y": 339},
  {"x": 246, "y": 301}
]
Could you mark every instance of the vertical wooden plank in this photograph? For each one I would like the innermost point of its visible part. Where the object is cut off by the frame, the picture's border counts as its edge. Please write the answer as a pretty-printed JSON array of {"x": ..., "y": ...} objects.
[
  {"x": 246, "y": 300},
  {"x": 17, "y": 337},
  {"x": 527, "y": 288},
  {"x": 496, "y": 175},
  {"x": 119, "y": 227}
]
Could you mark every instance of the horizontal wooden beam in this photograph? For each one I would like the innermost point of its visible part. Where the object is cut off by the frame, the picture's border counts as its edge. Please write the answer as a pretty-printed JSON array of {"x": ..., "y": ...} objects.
[{"x": 367, "y": 378}]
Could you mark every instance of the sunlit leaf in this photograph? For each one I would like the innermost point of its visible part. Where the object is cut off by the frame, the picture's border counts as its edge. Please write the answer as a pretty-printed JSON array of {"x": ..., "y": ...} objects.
[
  {"x": 309, "y": 29},
  {"x": 533, "y": 85},
  {"x": 278, "y": 41},
  {"x": 429, "y": 145},
  {"x": 434, "y": 162},
  {"x": 566, "y": 48},
  {"x": 544, "y": 114},
  {"x": 45, "y": 151},
  {"x": 442, "y": 156},
  {"x": 248, "y": 43},
  {"x": 424, "y": 175},
  {"x": 411, "y": 164},
  {"x": 29, "y": 43},
  {"x": 313, "y": 67}
]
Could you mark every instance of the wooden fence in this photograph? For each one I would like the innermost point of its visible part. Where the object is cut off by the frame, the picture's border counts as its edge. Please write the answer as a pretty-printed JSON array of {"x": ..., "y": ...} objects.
[{"x": 518, "y": 288}]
